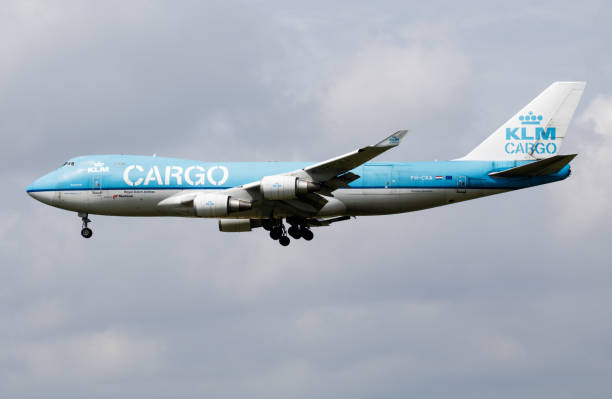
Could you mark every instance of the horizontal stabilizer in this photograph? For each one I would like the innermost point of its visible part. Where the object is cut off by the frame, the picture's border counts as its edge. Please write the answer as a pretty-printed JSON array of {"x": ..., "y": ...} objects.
[{"x": 546, "y": 166}]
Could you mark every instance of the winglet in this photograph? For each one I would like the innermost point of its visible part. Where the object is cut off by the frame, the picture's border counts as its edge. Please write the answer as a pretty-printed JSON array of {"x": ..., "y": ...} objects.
[{"x": 393, "y": 140}]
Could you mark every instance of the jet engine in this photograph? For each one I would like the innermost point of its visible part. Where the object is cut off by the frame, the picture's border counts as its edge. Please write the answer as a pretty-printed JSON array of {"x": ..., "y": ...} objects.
[
  {"x": 285, "y": 187},
  {"x": 218, "y": 205}
]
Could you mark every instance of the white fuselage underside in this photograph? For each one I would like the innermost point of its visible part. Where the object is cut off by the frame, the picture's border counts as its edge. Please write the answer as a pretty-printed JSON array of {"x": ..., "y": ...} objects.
[{"x": 351, "y": 202}]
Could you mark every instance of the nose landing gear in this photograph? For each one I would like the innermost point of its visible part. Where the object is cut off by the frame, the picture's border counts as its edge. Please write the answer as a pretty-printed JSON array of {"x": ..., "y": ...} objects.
[{"x": 86, "y": 232}]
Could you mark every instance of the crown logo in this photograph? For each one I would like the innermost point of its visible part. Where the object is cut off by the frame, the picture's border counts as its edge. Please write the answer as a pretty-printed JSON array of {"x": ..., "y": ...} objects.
[{"x": 530, "y": 119}]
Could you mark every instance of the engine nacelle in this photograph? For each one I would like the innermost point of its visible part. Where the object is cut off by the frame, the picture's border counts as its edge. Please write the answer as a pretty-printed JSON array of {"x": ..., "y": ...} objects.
[
  {"x": 218, "y": 205},
  {"x": 285, "y": 187},
  {"x": 235, "y": 225}
]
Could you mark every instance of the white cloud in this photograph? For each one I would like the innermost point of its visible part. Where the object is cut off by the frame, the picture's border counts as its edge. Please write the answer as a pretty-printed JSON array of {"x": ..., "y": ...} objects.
[
  {"x": 389, "y": 86},
  {"x": 599, "y": 116},
  {"x": 101, "y": 354},
  {"x": 585, "y": 205}
]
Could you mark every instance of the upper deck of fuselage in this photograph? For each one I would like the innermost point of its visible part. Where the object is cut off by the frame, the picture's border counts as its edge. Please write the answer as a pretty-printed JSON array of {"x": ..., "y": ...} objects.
[{"x": 126, "y": 172}]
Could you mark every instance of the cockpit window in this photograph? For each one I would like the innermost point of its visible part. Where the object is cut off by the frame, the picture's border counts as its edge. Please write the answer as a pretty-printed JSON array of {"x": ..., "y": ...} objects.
[{"x": 68, "y": 164}]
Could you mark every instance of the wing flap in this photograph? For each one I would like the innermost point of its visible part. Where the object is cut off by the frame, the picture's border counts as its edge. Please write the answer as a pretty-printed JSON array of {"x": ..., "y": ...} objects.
[
  {"x": 338, "y": 182},
  {"x": 315, "y": 200}
]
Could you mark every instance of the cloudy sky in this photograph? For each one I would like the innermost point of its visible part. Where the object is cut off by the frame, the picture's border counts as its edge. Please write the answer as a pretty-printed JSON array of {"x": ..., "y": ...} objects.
[{"x": 507, "y": 296}]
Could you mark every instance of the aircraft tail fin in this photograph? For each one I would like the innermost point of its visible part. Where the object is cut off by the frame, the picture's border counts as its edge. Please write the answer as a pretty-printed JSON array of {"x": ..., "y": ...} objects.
[
  {"x": 536, "y": 131},
  {"x": 547, "y": 166}
]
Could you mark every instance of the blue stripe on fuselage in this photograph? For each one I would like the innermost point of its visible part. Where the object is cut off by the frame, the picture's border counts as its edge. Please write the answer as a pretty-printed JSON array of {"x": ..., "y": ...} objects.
[{"x": 128, "y": 172}]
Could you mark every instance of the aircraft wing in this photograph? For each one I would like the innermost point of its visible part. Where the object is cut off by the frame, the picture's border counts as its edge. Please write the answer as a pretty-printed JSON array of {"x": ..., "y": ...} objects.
[
  {"x": 329, "y": 175},
  {"x": 334, "y": 167},
  {"x": 332, "y": 174}
]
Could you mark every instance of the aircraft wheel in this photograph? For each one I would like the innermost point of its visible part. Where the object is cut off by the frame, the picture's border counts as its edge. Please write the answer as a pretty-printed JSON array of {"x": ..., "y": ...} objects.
[
  {"x": 86, "y": 232},
  {"x": 284, "y": 241},
  {"x": 267, "y": 224},
  {"x": 307, "y": 234},
  {"x": 294, "y": 232},
  {"x": 276, "y": 233}
]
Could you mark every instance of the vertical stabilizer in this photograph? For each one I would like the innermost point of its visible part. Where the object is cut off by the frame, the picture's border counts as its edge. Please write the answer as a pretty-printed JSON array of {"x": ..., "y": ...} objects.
[{"x": 536, "y": 131}]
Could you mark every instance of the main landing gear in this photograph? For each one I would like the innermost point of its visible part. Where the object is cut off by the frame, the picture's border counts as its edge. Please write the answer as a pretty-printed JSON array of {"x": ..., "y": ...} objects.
[
  {"x": 298, "y": 229},
  {"x": 86, "y": 232}
]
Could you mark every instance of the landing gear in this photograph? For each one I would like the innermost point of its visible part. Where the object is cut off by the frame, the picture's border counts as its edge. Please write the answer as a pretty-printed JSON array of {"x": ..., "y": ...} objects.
[
  {"x": 306, "y": 233},
  {"x": 86, "y": 232},
  {"x": 275, "y": 227},
  {"x": 279, "y": 233},
  {"x": 277, "y": 230},
  {"x": 267, "y": 224},
  {"x": 276, "y": 233},
  {"x": 295, "y": 232},
  {"x": 298, "y": 229}
]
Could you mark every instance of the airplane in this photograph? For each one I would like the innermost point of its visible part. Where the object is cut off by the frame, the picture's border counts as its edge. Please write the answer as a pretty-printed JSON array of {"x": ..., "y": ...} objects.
[{"x": 523, "y": 152}]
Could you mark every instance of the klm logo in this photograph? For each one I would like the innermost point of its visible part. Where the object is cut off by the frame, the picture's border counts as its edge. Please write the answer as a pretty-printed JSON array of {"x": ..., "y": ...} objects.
[
  {"x": 530, "y": 119},
  {"x": 98, "y": 167},
  {"x": 531, "y": 137}
]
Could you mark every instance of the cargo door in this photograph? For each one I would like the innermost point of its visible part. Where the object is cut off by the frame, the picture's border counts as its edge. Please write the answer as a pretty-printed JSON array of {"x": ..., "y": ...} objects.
[{"x": 376, "y": 176}]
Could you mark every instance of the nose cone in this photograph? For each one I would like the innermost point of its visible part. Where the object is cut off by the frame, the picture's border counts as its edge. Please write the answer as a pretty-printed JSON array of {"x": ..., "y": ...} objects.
[
  {"x": 46, "y": 197},
  {"x": 43, "y": 189}
]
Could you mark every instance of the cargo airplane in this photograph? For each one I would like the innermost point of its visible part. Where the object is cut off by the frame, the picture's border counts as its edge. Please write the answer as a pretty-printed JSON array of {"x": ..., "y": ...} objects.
[{"x": 521, "y": 153}]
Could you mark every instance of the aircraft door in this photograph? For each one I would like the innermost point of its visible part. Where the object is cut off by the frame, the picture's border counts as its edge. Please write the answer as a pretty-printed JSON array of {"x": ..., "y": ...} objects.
[
  {"x": 96, "y": 184},
  {"x": 461, "y": 184},
  {"x": 396, "y": 176},
  {"x": 376, "y": 176}
]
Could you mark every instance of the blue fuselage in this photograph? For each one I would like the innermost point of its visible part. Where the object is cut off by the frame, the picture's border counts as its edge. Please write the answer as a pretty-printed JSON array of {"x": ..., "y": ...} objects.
[{"x": 134, "y": 185}]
